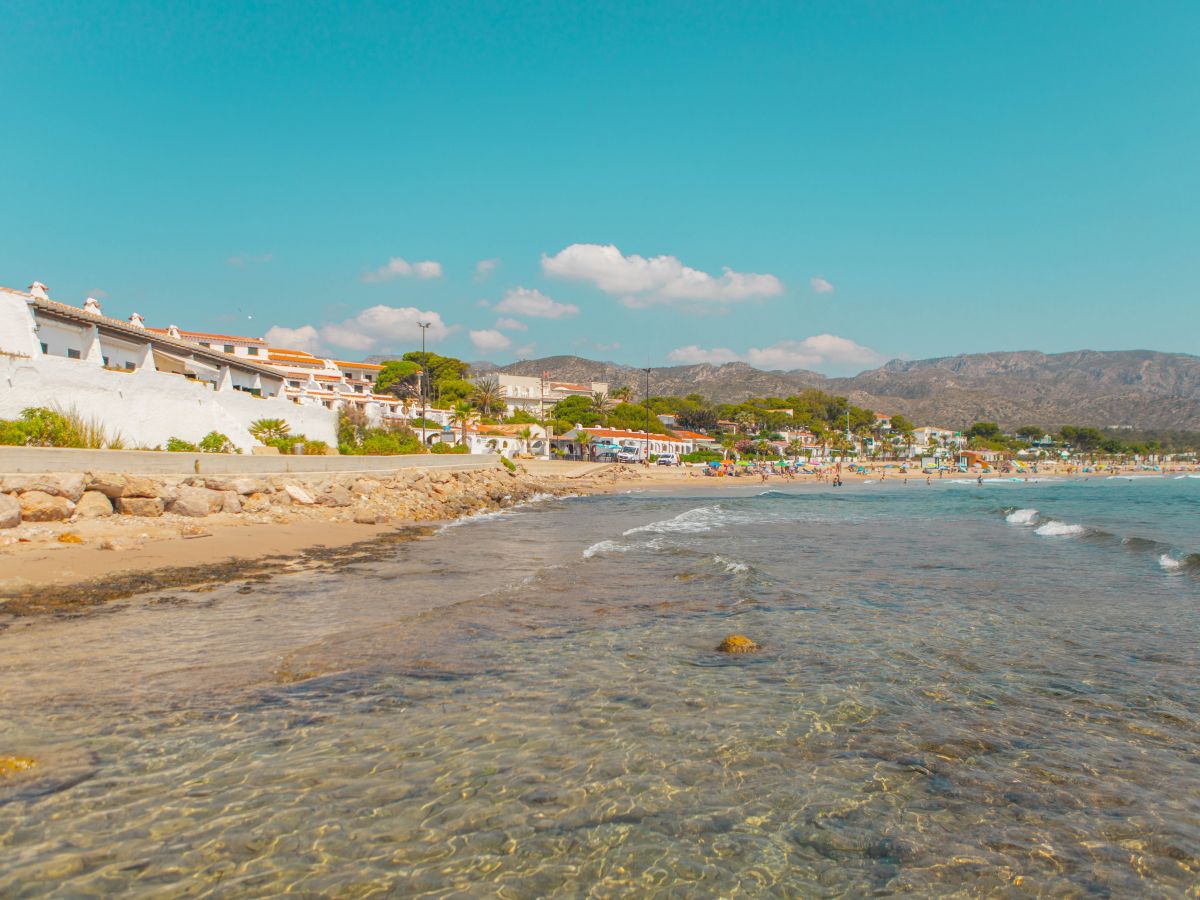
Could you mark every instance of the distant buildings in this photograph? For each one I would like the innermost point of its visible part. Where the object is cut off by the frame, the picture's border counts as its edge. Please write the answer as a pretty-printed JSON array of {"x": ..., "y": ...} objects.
[{"x": 531, "y": 395}]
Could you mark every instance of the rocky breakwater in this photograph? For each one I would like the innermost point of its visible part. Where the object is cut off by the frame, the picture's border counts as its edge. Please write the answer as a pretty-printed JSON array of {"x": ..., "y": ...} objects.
[{"x": 408, "y": 495}]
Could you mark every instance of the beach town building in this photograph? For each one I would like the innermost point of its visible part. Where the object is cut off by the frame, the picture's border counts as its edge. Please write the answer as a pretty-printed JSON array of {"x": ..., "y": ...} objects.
[
  {"x": 531, "y": 394},
  {"x": 928, "y": 437},
  {"x": 607, "y": 441},
  {"x": 141, "y": 384},
  {"x": 505, "y": 440}
]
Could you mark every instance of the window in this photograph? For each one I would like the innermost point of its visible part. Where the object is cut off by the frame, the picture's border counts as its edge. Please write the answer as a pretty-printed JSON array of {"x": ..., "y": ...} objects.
[
  {"x": 45, "y": 349},
  {"x": 294, "y": 384},
  {"x": 252, "y": 351},
  {"x": 129, "y": 365},
  {"x": 72, "y": 354},
  {"x": 228, "y": 348},
  {"x": 106, "y": 360},
  {"x": 205, "y": 344}
]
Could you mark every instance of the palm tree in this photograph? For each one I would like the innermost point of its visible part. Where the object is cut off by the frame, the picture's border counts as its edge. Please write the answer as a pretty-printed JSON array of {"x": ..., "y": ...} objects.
[
  {"x": 461, "y": 415},
  {"x": 526, "y": 435},
  {"x": 621, "y": 394},
  {"x": 601, "y": 403},
  {"x": 794, "y": 449},
  {"x": 487, "y": 397},
  {"x": 583, "y": 439},
  {"x": 264, "y": 430}
]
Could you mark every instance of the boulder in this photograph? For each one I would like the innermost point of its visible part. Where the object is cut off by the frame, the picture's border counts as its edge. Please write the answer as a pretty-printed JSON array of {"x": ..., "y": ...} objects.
[
  {"x": 299, "y": 494},
  {"x": 737, "y": 643},
  {"x": 93, "y": 505},
  {"x": 65, "y": 484},
  {"x": 110, "y": 485},
  {"x": 197, "y": 502},
  {"x": 151, "y": 507},
  {"x": 38, "y": 506},
  {"x": 10, "y": 512},
  {"x": 335, "y": 496},
  {"x": 366, "y": 486},
  {"x": 256, "y": 503},
  {"x": 239, "y": 484},
  {"x": 365, "y": 517},
  {"x": 231, "y": 502},
  {"x": 114, "y": 486}
]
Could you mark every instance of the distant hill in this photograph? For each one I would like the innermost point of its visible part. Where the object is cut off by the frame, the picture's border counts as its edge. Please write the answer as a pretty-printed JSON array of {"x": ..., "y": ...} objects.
[{"x": 1136, "y": 388}]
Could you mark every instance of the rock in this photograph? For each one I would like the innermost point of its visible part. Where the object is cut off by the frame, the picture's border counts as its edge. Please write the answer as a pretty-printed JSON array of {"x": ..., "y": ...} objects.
[
  {"x": 38, "y": 506},
  {"x": 366, "y": 486},
  {"x": 231, "y": 502},
  {"x": 93, "y": 505},
  {"x": 256, "y": 503},
  {"x": 335, "y": 496},
  {"x": 11, "y": 765},
  {"x": 365, "y": 517},
  {"x": 69, "y": 537},
  {"x": 140, "y": 506},
  {"x": 66, "y": 484},
  {"x": 243, "y": 485},
  {"x": 299, "y": 494},
  {"x": 194, "y": 531},
  {"x": 114, "y": 486},
  {"x": 197, "y": 502},
  {"x": 737, "y": 643},
  {"x": 117, "y": 544},
  {"x": 10, "y": 512}
]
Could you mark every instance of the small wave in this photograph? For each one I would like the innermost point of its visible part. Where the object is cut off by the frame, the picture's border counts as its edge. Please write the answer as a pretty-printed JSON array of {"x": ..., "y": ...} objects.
[
  {"x": 1021, "y": 517},
  {"x": 694, "y": 521},
  {"x": 605, "y": 547},
  {"x": 1179, "y": 565},
  {"x": 481, "y": 516},
  {"x": 732, "y": 566},
  {"x": 1059, "y": 529},
  {"x": 1170, "y": 563}
]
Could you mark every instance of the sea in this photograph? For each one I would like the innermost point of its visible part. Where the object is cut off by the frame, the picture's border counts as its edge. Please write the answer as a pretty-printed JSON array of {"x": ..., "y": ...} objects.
[{"x": 963, "y": 688}]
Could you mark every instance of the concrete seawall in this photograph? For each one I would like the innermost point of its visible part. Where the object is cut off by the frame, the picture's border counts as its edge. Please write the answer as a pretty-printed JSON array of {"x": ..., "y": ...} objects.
[{"x": 33, "y": 460}]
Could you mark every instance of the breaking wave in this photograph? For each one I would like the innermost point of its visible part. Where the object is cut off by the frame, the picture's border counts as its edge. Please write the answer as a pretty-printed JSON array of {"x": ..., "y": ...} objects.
[
  {"x": 1022, "y": 517},
  {"x": 605, "y": 547},
  {"x": 694, "y": 521},
  {"x": 1055, "y": 528},
  {"x": 732, "y": 566}
]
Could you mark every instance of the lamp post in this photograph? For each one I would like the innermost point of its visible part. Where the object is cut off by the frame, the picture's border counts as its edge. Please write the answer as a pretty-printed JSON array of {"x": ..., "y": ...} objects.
[
  {"x": 647, "y": 426},
  {"x": 424, "y": 326},
  {"x": 542, "y": 407}
]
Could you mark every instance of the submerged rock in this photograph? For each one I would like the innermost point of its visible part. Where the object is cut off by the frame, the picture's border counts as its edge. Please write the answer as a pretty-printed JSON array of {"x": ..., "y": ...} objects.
[
  {"x": 737, "y": 643},
  {"x": 11, "y": 765}
]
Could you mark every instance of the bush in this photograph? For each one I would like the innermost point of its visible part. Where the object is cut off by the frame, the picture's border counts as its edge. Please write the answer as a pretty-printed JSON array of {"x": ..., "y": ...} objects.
[
  {"x": 215, "y": 442},
  {"x": 179, "y": 445},
  {"x": 702, "y": 456},
  {"x": 446, "y": 448},
  {"x": 508, "y": 464}
]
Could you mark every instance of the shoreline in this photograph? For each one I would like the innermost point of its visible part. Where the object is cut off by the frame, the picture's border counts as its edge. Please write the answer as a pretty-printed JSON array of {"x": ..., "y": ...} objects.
[{"x": 107, "y": 559}]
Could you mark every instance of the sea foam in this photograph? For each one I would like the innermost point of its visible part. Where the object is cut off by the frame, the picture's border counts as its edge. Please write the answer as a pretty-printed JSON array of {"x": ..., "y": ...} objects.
[
  {"x": 1059, "y": 529},
  {"x": 694, "y": 521},
  {"x": 604, "y": 547},
  {"x": 1021, "y": 517}
]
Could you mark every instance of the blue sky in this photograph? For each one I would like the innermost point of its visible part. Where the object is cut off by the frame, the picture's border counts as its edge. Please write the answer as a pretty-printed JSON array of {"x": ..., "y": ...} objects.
[{"x": 811, "y": 185}]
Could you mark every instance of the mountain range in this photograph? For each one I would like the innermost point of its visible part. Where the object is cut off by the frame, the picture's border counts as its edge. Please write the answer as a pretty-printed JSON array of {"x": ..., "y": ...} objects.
[{"x": 1141, "y": 389}]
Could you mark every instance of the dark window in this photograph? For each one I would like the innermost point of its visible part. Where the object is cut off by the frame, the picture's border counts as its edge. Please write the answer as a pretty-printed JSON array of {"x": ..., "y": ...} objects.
[
  {"x": 204, "y": 344},
  {"x": 106, "y": 360},
  {"x": 253, "y": 351},
  {"x": 294, "y": 384},
  {"x": 129, "y": 365},
  {"x": 45, "y": 349},
  {"x": 228, "y": 348},
  {"x": 72, "y": 354}
]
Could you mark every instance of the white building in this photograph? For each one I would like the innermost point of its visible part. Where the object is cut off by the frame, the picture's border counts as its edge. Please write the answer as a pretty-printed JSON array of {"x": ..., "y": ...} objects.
[
  {"x": 601, "y": 440},
  {"x": 532, "y": 395},
  {"x": 146, "y": 386},
  {"x": 927, "y": 438}
]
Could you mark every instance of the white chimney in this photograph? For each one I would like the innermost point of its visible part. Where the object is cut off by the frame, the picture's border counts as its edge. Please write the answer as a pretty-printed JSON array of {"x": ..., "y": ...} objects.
[
  {"x": 92, "y": 305},
  {"x": 39, "y": 290},
  {"x": 137, "y": 321},
  {"x": 173, "y": 331}
]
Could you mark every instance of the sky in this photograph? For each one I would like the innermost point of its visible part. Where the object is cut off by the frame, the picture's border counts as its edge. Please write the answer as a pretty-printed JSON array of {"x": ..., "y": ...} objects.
[{"x": 796, "y": 185}]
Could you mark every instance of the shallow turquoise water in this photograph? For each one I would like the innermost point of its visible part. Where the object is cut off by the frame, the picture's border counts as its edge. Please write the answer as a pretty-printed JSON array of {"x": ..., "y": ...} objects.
[{"x": 953, "y": 696}]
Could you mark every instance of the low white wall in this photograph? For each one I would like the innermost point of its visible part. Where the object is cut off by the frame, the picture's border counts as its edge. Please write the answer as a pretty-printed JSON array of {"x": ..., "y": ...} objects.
[
  {"x": 14, "y": 460},
  {"x": 148, "y": 407}
]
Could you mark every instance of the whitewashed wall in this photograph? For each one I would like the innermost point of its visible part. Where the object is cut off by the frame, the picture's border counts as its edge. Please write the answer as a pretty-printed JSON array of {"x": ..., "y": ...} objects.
[{"x": 148, "y": 407}]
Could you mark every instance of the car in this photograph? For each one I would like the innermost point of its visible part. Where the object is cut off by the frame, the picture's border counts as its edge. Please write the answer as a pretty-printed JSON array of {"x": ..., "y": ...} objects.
[
  {"x": 668, "y": 459},
  {"x": 629, "y": 456}
]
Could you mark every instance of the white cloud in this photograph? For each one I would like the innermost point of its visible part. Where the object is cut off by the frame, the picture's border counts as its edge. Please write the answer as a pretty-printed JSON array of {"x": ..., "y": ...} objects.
[
  {"x": 528, "y": 302},
  {"x": 484, "y": 268},
  {"x": 396, "y": 267},
  {"x": 303, "y": 338},
  {"x": 820, "y": 285},
  {"x": 525, "y": 352},
  {"x": 816, "y": 352},
  {"x": 386, "y": 325},
  {"x": 489, "y": 339},
  {"x": 512, "y": 324},
  {"x": 691, "y": 355},
  {"x": 659, "y": 279},
  {"x": 819, "y": 352}
]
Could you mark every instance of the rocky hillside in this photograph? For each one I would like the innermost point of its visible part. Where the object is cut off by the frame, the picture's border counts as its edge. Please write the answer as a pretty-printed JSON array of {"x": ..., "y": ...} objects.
[{"x": 1138, "y": 388}]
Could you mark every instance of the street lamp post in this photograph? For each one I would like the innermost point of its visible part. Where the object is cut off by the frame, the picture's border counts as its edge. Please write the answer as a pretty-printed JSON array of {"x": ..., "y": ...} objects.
[
  {"x": 647, "y": 426},
  {"x": 424, "y": 326}
]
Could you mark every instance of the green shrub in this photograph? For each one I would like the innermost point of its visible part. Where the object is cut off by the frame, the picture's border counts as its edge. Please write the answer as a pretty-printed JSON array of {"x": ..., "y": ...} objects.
[
  {"x": 215, "y": 442},
  {"x": 702, "y": 456},
  {"x": 508, "y": 464},
  {"x": 446, "y": 448},
  {"x": 179, "y": 445}
]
